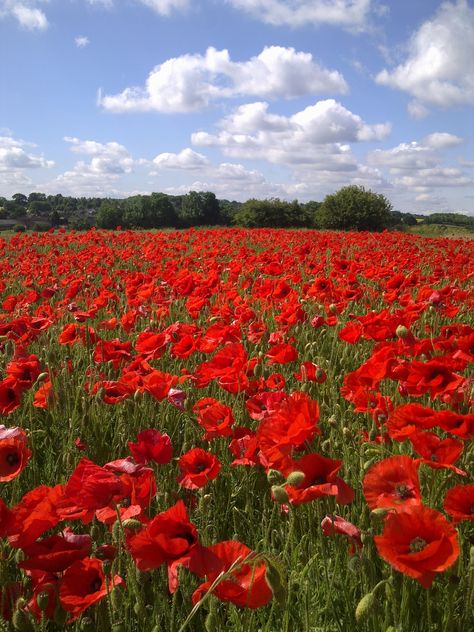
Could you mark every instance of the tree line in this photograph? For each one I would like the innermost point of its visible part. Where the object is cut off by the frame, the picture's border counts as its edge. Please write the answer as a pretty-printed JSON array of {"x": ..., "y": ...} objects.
[{"x": 350, "y": 208}]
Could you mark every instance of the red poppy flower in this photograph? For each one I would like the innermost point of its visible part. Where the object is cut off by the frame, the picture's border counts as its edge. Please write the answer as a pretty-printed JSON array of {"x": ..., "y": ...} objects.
[
  {"x": 33, "y": 515},
  {"x": 281, "y": 354},
  {"x": 84, "y": 584},
  {"x": 10, "y": 395},
  {"x": 419, "y": 542},
  {"x": 332, "y": 525},
  {"x": 198, "y": 467},
  {"x": 321, "y": 479},
  {"x": 459, "y": 502},
  {"x": 393, "y": 483},
  {"x": 152, "y": 446},
  {"x": 24, "y": 371},
  {"x": 14, "y": 453},
  {"x": 246, "y": 586},
  {"x": 44, "y": 395},
  {"x": 168, "y": 537},
  {"x": 438, "y": 453},
  {"x": 56, "y": 553},
  {"x": 216, "y": 418}
]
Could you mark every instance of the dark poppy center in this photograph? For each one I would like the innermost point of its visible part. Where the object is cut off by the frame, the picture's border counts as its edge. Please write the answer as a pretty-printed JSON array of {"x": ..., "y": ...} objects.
[
  {"x": 12, "y": 459},
  {"x": 200, "y": 467},
  {"x": 433, "y": 458},
  {"x": 96, "y": 585},
  {"x": 403, "y": 492},
  {"x": 417, "y": 545}
]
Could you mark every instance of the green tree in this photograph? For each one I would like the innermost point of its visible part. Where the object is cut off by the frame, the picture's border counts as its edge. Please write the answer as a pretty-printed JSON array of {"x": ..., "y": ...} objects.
[
  {"x": 199, "y": 209},
  {"x": 272, "y": 213},
  {"x": 354, "y": 208},
  {"x": 109, "y": 215}
]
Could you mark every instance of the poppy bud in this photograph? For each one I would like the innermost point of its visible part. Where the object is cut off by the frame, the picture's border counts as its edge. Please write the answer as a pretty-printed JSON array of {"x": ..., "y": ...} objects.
[
  {"x": 210, "y": 624},
  {"x": 137, "y": 395},
  {"x": 402, "y": 331},
  {"x": 274, "y": 477},
  {"x": 355, "y": 564},
  {"x": 279, "y": 494},
  {"x": 21, "y": 621},
  {"x": 87, "y": 625},
  {"x": 365, "y": 606},
  {"x": 116, "y": 597},
  {"x": 295, "y": 478},
  {"x": 139, "y": 610},
  {"x": 118, "y": 627},
  {"x": 95, "y": 531},
  {"x": 379, "y": 512},
  {"x": 332, "y": 421},
  {"x": 41, "y": 377},
  {"x": 42, "y": 600},
  {"x": 19, "y": 556},
  {"x": 60, "y": 617},
  {"x": 131, "y": 523},
  {"x": 346, "y": 432}
]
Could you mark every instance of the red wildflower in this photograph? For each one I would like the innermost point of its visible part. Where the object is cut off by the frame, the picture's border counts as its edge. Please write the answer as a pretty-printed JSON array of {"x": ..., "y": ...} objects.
[
  {"x": 393, "y": 483},
  {"x": 246, "y": 586},
  {"x": 436, "y": 452},
  {"x": 56, "y": 553},
  {"x": 332, "y": 525},
  {"x": 168, "y": 537},
  {"x": 152, "y": 446},
  {"x": 14, "y": 453},
  {"x": 10, "y": 395},
  {"x": 459, "y": 502},
  {"x": 198, "y": 467},
  {"x": 84, "y": 584},
  {"x": 321, "y": 479},
  {"x": 33, "y": 515},
  {"x": 216, "y": 418},
  {"x": 419, "y": 542}
]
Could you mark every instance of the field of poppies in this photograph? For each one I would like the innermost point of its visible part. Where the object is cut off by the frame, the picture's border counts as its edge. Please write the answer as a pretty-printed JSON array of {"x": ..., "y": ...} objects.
[{"x": 228, "y": 429}]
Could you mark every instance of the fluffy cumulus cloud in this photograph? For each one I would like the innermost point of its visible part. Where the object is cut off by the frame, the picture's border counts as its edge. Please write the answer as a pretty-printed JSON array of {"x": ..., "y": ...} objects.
[
  {"x": 186, "y": 159},
  {"x": 438, "y": 70},
  {"x": 191, "y": 82},
  {"x": 18, "y": 159},
  {"x": 420, "y": 166},
  {"x": 26, "y": 12},
  {"x": 317, "y": 135},
  {"x": 16, "y": 154},
  {"x": 108, "y": 163},
  {"x": 345, "y": 13}
]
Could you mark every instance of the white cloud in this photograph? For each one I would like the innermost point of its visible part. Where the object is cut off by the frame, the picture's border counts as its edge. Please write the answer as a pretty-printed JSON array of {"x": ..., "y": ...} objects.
[
  {"x": 15, "y": 154},
  {"x": 185, "y": 159},
  {"x": 165, "y": 7},
  {"x": 317, "y": 135},
  {"x": 110, "y": 159},
  {"x": 441, "y": 140},
  {"x": 26, "y": 13},
  {"x": 81, "y": 41},
  {"x": 439, "y": 69},
  {"x": 406, "y": 156},
  {"x": 191, "y": 82},
  {"x": 428, "y": 179},
  {"x": 417, "y": 110},
  {"x": 346, "y": 13}
]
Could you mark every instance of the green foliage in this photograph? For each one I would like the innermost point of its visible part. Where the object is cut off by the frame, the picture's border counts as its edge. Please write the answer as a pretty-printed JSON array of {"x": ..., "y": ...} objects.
[
  {"x": 272, "y": 213},
  {"x": 354, "y": 208},
  {"x": 19, "y": 228},
  {"x": 453, "y": 219},
  {"x": 200, "y": 209}
]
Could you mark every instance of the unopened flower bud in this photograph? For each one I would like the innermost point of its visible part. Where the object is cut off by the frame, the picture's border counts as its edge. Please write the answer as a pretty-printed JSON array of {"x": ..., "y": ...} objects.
[
  {"x": 295, "y": 478},
  {"x": 274, "y": 477},
  {"x": 21, "y": 621},
  {"x": 402, "y": 331},
  {"x": 131, "y": 523},
  {"x": 365, "y": 606},
  {"x": 279, "y": 494}
]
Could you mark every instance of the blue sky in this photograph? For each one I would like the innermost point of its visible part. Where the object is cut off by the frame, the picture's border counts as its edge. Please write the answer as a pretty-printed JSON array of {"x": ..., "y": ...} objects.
[{"x": 246, "y": 98}]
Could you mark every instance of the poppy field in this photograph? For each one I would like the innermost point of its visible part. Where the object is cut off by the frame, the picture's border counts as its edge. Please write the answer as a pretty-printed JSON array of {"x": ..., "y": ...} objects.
[{"x": 230, "y": 429}]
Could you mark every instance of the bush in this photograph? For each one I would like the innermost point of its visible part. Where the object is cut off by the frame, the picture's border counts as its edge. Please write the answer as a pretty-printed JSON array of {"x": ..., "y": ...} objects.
[
  {"x": 354, "y": 208},
  {"x": 19, "y": 228}
]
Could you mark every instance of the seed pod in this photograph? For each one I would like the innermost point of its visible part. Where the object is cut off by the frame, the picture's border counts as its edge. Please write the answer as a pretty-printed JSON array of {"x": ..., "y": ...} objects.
[
  {"x": 131, "y": 523},
  {"x": 42, "y": 600},
  {"x": 365, "y": 606}
]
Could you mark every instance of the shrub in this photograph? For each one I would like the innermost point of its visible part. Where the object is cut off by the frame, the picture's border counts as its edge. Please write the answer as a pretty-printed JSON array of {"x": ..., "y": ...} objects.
[{"x": 354, "y": 208}]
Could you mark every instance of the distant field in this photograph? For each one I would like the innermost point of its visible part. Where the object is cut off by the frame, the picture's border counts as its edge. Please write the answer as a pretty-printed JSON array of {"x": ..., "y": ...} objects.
[{"x": 440, "y": 230}]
